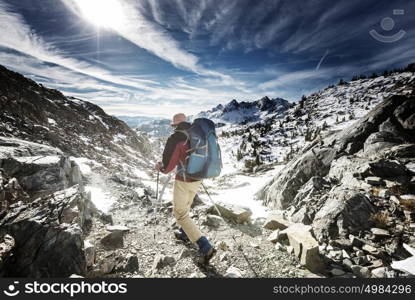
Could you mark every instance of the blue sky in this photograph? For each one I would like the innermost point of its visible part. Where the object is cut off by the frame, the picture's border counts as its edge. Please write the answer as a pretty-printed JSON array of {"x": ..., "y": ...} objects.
[{"x": 157, "y": 57}]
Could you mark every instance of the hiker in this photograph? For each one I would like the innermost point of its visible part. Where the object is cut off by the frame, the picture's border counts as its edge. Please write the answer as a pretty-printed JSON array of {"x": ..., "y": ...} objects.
[{"x": 175, "y": 154}]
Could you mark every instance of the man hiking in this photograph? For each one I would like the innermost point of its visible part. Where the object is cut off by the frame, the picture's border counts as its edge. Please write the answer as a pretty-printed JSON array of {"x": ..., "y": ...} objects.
[{"x": 176, "y": 154}]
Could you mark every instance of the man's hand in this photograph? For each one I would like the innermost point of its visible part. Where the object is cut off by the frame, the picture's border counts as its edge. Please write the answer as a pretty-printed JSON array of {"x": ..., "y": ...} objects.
[{"x": 158, "y": 166}]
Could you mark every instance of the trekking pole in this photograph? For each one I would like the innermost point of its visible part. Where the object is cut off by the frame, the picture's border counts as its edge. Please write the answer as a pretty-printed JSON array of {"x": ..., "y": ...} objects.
[
  {"x": 157, "y": 187},
  {"x": 154, "y": 206},
  {"x": 233, "y": 237}
]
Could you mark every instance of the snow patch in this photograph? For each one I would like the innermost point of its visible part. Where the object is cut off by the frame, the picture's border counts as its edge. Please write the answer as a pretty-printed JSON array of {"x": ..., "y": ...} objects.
[{"x": 101, "y": 199}]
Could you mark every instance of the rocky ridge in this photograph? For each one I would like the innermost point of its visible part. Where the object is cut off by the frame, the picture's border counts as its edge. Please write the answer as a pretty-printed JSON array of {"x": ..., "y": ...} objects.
[{"x": 355, "y": 190}]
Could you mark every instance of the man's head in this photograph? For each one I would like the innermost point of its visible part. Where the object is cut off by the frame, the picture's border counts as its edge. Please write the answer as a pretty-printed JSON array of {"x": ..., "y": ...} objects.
[{"x": 178, "y": 118}]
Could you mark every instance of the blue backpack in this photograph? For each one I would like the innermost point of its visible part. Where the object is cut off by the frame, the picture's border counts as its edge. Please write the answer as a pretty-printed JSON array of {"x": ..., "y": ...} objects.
[{"x": 205, "y": 159}]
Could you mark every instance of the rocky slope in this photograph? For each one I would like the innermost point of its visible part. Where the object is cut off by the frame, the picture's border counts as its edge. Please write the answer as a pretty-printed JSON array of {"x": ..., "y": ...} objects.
[
  {"x": 276, "y": 137},
  {"x": 51, "y": 148},
  {"x": 44, "y": 209},
  {"x": 355, "y": 190},
  {"x": 34, "y": 113}
]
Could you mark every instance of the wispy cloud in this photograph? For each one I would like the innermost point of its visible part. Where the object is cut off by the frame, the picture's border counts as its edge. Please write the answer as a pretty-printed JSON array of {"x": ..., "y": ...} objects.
[
  {"x": 17, "y": 35},
  {"x": 190, "y": 55}
]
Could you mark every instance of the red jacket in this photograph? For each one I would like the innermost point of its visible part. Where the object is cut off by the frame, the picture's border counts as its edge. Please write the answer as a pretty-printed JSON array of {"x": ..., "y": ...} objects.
[{"x": 175, "y": 153}]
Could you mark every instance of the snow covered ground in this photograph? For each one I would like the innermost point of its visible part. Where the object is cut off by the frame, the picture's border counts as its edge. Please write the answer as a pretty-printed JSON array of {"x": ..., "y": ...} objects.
[
  {"x": 236, "y": 187},
  {"x": 101, "y": 199}
]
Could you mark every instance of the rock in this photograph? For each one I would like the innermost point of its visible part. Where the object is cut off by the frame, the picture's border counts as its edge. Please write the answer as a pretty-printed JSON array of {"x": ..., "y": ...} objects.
[
  {"x": 301, "y": 215},
  {"x": 281, "y": 191},
  {"x": 106, "y": 266},
  {"x": 345, "y": 211},
  {"x": 113, "y": 240},
  {"x": 379, "y": 141},
  {"x": 395, "y": 200},
  {"x": 379, "y": 272},
  {"x": 375, "y": 181},
  {"x": 213, "y": 221},
  {"x": 311, "y": 189},
  {"x": 409, "y": 216},
  {"x": 352, "y": 139},
  {"x": 385, "y": 193},
  {"x": 343, "y": 243},
  {"x": 89, "y": 250},
  {"x": 223, "y": 257},
  {"x": 356, "y": 242},
  {"x": 274, "y": 236},
  {"x": 388, "y": 169},
  {"x": 279, "y": 247},
  {"x": 361, "y": 272},
  {"x": 375, "y": 264},
  {"x": 37, "y": 173},
  {"x": 411, "y": 167},
  {"x": 337, "y": 272},
  {"x": 345, "y": 254},
  {"x": 404, "y": 116},
  {"x": 360, "y": 260},
  {"x": 36, "y": 225},
  {"x": 236, "y": 213},
  {"x": 105, "y": 218},
  {"x": 336, "y": 255},
  {"x": 7, "y": 244},
  {"x": 406, "y": 265},
  {"x": 380, "y": 232},
  {"x": 117, "y": 228},
  {"x": 10, "y": 190},
  {"x": 370, "y": 249},
  {"x": 161, "y": 261},
  {"x": 347, "y": 263},
  {"x": 305, "y": 246},
  {"x": 197, "y": 201},
  {"x": 233, "y": 272},
  {"x": 129, "y": 264},
  {"x": 275, "y": 220}
]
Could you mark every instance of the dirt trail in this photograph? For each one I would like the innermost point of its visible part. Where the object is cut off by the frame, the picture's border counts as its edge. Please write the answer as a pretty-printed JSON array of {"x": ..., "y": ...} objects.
[{"x": 151, "y": 235}]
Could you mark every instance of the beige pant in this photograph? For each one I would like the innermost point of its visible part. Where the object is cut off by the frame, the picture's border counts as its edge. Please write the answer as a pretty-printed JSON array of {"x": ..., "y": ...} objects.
[{"x": 183, "y": 194}]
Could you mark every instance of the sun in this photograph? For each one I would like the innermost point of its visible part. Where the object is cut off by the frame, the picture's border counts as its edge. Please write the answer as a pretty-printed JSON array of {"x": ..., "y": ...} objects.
[{"x": 102, "y": 13}]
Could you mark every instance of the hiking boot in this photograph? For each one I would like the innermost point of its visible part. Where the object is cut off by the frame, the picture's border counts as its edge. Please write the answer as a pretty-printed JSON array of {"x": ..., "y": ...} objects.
[
  {"x": 181, "y": 236},
  {"x": 206, "y": 250}
]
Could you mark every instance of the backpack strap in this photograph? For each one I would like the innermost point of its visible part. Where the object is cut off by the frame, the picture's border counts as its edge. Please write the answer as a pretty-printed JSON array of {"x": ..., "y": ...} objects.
[
  {"x": 185, "y": 133},
  {"x": 187, "y": 141}
]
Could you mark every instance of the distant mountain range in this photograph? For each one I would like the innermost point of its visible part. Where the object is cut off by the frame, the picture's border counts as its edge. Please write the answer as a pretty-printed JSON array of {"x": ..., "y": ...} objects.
[
  {"x": 135, "y": 121},
  {"x": 244, "y": 112}
]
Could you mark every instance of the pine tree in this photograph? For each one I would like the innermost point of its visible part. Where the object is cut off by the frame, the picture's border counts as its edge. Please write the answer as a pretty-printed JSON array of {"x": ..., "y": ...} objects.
[
  {"x": 239, "y": 155},
  {"x": 258, "y": 160},
  {"x": 250, "y": 137}
]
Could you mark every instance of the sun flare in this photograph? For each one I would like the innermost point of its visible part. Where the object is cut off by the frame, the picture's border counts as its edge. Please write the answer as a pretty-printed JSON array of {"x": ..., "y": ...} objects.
[{"x": 102, "y": 13}]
